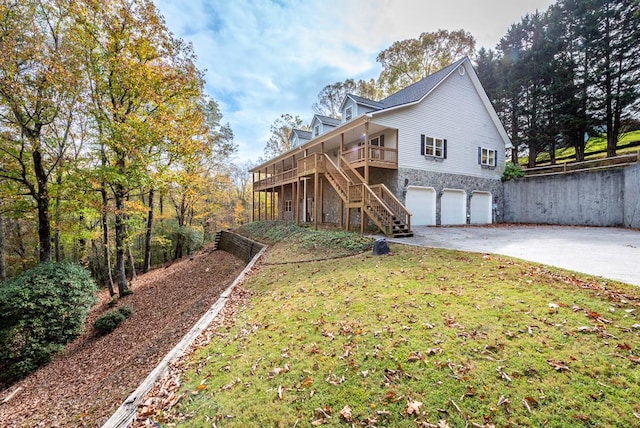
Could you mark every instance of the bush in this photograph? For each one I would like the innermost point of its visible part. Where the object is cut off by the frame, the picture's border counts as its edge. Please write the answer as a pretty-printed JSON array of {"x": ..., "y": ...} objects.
[
  {"x": 41, "y": 310},
  {"x": 512, "y": 171},
  {"x": 108, "y": 321}
]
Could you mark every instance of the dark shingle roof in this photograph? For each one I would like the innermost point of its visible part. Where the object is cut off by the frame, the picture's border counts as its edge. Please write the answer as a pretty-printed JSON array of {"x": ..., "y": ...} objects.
[
  {"x": 328, "y": 120},
  {"x": 366, "y": 101},
  {"x": 416, "y": 91},
  {"x": 302, "y": 134}
]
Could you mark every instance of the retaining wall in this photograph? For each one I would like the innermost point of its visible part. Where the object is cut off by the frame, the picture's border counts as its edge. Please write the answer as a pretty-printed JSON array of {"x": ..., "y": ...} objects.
[
  {"x": 238, "y": 245},
  {"x": 590, "y": 198}
]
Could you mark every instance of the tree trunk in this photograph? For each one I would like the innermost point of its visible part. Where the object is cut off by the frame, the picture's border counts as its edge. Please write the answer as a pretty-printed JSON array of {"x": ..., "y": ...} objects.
[
  {"x": 3, "y": 266},
  {"x": 132, "y": 264},
  {"x": 147, "y": 240},
  {"x": 42, "y": 200},
  {"x": 105, "y": 242},
  {"x": 121, "y": 230},
  {"x": 56, "y": 230}
]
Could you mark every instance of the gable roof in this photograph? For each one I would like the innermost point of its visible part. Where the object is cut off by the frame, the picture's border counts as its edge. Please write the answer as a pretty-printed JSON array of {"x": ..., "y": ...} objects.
[
  {"x": 326, "y": 120},
  {"x": 377, "y": 105},
  {"x": 416, "y": 91},
  {"x": 301, "y": 133}
]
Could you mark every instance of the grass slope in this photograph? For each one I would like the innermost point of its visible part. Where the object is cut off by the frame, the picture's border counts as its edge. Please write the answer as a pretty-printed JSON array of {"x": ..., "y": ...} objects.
[
  {"x": 595, "y": 148},
  {"x": 417, "y": 338}
]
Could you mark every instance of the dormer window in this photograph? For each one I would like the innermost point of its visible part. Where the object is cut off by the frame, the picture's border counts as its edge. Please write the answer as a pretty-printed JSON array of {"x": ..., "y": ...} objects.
[
  {"x": 348, "y": 113},
  {"x": 316, "y": 130}
]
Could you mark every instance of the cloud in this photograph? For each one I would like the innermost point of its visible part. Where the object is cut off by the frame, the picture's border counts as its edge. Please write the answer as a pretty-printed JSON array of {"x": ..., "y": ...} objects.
[{"x": 264, "y": 58}]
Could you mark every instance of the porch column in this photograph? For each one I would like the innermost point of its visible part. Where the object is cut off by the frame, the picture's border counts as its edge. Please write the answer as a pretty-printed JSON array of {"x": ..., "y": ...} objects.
[
  {"x": 321, "y": 199},
  {"x": 253, "y": 196},
  {"x": 366, "y": 152},
  {"x": 316, "y": 192}
]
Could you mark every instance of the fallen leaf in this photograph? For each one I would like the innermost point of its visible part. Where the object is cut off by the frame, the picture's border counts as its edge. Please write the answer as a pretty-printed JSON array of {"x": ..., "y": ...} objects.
[
  {"x": 307, "y": 382},
  {"x": 413, "y": 407},
  {"x": 558, "y": 366},
  {"x": 623, "y": 346},
  {"x": 581, "y": 417},
  {"x": 346, "y": 413},
  {"x": 280, "y": 392}
]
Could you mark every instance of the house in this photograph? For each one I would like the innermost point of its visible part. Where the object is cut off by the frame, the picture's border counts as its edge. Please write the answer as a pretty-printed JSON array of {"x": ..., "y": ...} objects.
[{"x": 430, "y": 154}]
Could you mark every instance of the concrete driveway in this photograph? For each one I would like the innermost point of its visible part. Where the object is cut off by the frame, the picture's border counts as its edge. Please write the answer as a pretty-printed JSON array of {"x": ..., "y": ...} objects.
[{"x": 607, "y": 252}]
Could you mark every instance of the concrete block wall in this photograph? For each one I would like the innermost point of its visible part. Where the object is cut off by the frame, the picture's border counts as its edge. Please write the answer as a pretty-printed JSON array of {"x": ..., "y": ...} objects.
[
  {"x": 590, "y": 198},
  {"x": 632, "y": 197}
]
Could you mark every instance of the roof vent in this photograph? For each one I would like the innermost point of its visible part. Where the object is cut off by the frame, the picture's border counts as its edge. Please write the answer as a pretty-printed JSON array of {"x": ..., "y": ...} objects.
[{"x": 461, "y": 70}]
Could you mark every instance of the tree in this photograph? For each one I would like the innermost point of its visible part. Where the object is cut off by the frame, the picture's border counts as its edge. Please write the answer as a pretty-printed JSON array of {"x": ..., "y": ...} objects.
[
  {"x": 279, "y": 141},
  {"x": 38, "y": 83},
  {"x": 617, "y": 48},
  {"x": 144, "y": 90},
  {"x": 331, "y": 96},
  {"x": 407, "y": 61}
]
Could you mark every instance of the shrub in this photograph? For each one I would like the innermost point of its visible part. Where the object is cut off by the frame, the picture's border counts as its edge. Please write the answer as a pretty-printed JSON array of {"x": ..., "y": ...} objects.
[
  {"x": 41, "y": 310},
  {"x": 108, "y": 321},
  {"x": 512, "y": 171}
]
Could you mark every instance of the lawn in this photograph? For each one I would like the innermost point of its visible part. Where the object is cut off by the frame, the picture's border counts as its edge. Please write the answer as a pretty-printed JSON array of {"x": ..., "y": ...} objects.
[
  {"x": 419, "y": 337},
  {"x": 595, "y": 148}
]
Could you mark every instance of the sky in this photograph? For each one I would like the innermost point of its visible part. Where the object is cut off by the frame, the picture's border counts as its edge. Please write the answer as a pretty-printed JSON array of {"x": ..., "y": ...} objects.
[{"x": 265, "y": 58}]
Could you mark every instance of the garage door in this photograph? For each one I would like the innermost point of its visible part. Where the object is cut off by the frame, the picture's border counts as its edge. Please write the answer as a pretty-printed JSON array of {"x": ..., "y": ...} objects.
[
  {"x": 481, "y": 208},
  {"x": 421, "y": 203},
  {"x": 453, "y": 207}
]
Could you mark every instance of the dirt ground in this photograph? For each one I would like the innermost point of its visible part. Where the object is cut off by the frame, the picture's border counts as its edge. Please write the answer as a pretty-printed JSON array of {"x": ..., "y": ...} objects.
[{"x": 87, "y": 382}]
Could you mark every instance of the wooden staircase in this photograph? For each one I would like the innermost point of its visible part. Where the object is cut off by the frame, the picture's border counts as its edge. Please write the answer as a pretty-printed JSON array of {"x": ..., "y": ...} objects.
[{"x": 382, "y": 207}]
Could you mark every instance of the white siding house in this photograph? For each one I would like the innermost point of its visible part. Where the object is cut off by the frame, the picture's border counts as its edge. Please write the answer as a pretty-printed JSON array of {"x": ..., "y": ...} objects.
[{"x": 430, "y": 154}]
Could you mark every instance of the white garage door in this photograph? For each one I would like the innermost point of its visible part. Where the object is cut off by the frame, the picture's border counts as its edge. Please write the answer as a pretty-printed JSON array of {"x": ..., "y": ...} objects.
[
  {"x": 453, "y": 207},
  {"x": 481, "y": 208},
  {"x": 421, "y": 203}
]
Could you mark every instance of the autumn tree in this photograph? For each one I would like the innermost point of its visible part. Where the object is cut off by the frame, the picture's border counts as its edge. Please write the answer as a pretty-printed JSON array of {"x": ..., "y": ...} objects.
[
  {"x": 144, "y": 86},
  {"x": 279, "y": 142},
  {"x": 197, "y": 174},
  {"x": 38, "y": 84},
  {"x": 330, "y": 98},
  {"x": 407, "y": 61}
]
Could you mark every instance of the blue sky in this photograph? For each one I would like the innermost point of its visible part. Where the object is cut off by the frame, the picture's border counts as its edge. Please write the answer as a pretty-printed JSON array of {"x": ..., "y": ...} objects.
[{"x": 264, "y": 58}]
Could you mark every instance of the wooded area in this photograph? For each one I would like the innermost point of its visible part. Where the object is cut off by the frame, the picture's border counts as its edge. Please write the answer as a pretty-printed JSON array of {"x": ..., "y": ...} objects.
[
  {"x": 561, "y": 76},
  {"x": 111, "y": 154},
  {"x": 557, "y": 78}
]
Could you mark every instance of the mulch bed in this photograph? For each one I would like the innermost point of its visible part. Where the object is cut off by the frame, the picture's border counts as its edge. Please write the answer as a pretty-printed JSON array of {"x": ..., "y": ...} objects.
[{"x": 89, "y": 380}]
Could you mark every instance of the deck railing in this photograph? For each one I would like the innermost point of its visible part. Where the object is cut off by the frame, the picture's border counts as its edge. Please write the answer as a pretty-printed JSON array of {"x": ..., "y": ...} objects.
[
  {"x": 310, "y": 164},
  {"x": 393, "y": 203},
  {"x": 371, "y": 153},
  {"x": 589, "y": 165},
  {"x": 337, "y": 177},
  {"x": 276, "y": 179}
]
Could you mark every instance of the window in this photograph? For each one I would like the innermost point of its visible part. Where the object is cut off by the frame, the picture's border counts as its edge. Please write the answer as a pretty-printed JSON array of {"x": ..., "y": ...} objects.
[
  {"x": 377, "y": 141},
  {"x": 433, "y": 147},
  {"x": 487, "y": 157},
  {"x": 348, "y": 113},
  {"x": 287, "y": 206},
  {"x": 316, "y": 130}
]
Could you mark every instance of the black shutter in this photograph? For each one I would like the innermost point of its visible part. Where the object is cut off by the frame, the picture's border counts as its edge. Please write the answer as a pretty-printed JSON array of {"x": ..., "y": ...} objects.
[
  {"x": 444, "y": 148},
  {"x": 495, "y": 159},
  {"x": 381, "y": 141},
  {"x": 422, "y": 144},
  {"x": 479, "y": 155}
]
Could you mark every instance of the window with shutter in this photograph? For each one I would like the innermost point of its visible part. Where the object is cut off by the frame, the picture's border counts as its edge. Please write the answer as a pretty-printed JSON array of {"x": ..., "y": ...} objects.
[
  {"x": 487, "y": 157},
  {"x": 433, "y": 147}
]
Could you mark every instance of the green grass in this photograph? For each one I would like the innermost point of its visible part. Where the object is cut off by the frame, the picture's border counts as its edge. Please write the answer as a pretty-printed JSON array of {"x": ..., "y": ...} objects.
[
  {"x": 292, "y": 243},
  {"x": 472, "y": 337},
  {"x": 595, "y": 148}
]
